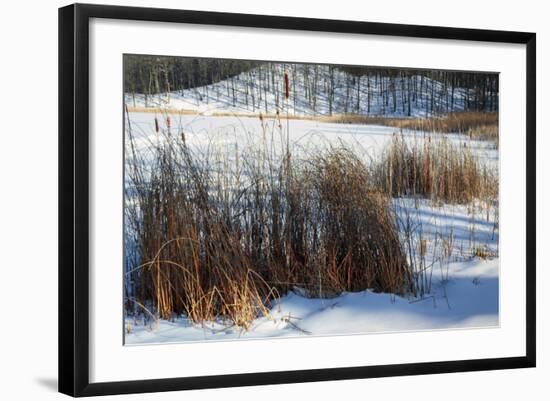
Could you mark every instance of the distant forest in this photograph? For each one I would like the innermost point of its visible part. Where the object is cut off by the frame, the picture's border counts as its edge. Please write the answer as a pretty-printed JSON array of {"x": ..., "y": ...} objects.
[{"x": 149, "y": 75}]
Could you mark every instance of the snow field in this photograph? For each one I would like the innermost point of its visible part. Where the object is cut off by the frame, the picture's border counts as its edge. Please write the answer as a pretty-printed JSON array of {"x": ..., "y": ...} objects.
[{"x": 464, "y": 288}]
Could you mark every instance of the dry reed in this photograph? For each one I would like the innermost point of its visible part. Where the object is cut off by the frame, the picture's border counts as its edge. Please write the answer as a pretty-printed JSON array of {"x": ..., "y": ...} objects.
[
  {"x": 218, "y": 236},
  {"x": 435, "y": 169}
]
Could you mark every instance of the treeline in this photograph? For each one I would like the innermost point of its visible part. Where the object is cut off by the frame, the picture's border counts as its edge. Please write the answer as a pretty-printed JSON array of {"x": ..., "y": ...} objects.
[
  {"x": 482, "y": 88},
  {"x": 159, "y": 74},
  {"x": 323, "y": 89}
]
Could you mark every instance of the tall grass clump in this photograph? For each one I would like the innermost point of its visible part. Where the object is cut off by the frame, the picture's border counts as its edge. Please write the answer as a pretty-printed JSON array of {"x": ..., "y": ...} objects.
[
  {"x": 217, "y": 232},
  {"x": 435, "y": 169},
  {"x": 458, "y": 122},
  {"x": 359, "y": 245},
  {"x": 192, "y": 257},
  {"x": 475, "y": 124}
]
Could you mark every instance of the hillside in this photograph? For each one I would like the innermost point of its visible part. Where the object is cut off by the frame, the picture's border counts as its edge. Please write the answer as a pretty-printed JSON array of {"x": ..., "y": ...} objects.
[{"x": 321, "y": 90}]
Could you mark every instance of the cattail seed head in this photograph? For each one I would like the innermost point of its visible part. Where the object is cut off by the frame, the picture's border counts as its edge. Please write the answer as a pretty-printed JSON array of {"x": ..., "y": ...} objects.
[
  {"x": 423, "y": 247},
  {"x": 286, "y": 85},
  {"x": 156, "y": 125}
]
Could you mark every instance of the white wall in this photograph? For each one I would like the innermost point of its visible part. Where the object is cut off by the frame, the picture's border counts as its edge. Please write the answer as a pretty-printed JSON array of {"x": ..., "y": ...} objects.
[{"x": 28, "y": 199}]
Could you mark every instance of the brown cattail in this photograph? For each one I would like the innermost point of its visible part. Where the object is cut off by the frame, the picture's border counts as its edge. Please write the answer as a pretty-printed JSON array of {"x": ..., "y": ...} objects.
[
  {"x": 168, "y": 122},
  {"x": 261, "y": 117},
  {"x": 156, "y": 125},
  {"x": 286, "y": 85},
  {"x": 423, "y": 247}
]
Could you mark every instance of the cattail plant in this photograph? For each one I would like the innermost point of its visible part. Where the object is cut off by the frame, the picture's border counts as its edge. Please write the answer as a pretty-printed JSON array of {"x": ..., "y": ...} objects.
[
  {"x": 287, "y": 85},
  {"x": 219, "y": 236},
  {"x": 157, "y": 129},
  {"x": 434, "y": 169}
]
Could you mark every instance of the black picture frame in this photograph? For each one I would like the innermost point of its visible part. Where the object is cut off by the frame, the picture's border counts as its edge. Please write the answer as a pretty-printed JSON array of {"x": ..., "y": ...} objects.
[{"x": 74, "y": 202}]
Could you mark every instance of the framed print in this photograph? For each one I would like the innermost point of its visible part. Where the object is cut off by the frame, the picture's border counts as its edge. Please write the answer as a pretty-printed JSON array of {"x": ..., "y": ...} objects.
[{"x": 250, "y": 199}]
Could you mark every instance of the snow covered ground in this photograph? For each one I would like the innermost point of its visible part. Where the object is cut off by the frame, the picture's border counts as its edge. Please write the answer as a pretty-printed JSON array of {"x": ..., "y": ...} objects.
[
  {"x": 251, "y": 92},
  {"x": 469, "y": 299},
  {"x": 465, "y": 289},
  {"x": 203, "y": 132}
]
